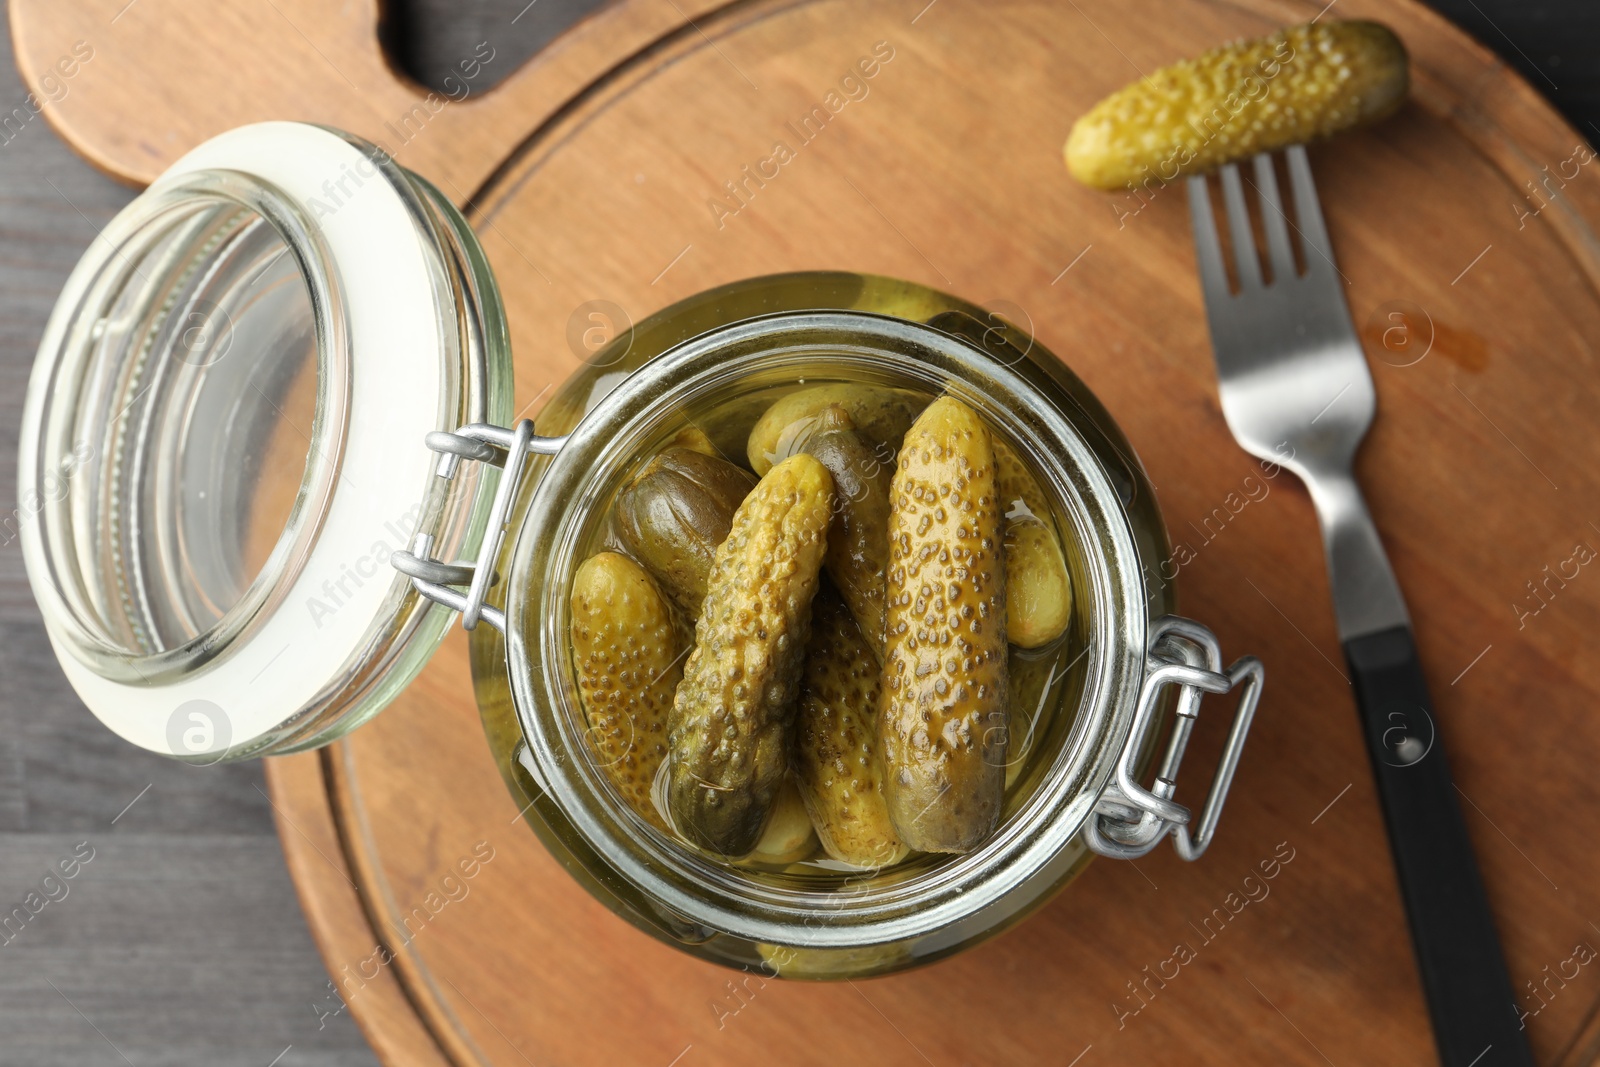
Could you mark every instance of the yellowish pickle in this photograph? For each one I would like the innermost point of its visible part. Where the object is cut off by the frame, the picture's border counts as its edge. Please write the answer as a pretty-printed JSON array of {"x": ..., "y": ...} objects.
[
  {"x": 798, "y": 961},
  {"x": 1300, "y": 84},
  {"x": 1034, "y": 681},
  {"x": 673, "y": 516},
  {"x": 789, "y": 837},
  {"x": 694, "y": 439},
  {"x": 728, "y": 743},
  {"x": 1038, "y": 587},
  {"x": 858, "y": 540},
  {"x": 626, "y": 653},
  {"x": 837, "y": 760},
  {"x": 879, "y": 414},
  {"x": 943, "y": 710}
]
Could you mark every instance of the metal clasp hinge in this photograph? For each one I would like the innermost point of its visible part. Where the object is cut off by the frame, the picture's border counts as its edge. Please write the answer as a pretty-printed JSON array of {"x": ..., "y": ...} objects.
[
  {"x": 1129, "y": 820},
  {"x": 433, "y": 578}
]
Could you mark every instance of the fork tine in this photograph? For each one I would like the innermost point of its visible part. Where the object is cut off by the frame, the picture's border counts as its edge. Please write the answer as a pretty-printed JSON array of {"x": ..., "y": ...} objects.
[
  {"x": 1207, "y": 245},
  {"x": 1273, "y": 220},
  {"x": 1244, "y": 242},
  {"x": 1308, "y": 212}
]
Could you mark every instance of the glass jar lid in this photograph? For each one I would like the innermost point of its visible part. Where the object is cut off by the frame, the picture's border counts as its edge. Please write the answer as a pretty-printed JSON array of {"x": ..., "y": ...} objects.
[{"x": 223, "y": 442}]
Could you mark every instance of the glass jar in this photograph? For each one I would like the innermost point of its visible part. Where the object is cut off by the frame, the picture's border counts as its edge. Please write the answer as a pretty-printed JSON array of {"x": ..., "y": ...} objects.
[{"x": 286, "y": 368}]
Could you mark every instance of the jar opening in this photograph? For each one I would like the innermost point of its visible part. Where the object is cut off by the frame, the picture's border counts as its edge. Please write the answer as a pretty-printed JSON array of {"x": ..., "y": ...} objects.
[
  {"x": 932, "y": 898},
  {"x": 217, "y": 472},
  {"x": 195, "y": 428}
]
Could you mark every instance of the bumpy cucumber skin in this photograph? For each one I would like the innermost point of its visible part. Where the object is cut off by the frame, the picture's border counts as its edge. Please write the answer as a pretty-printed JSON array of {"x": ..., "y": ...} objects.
[
  {"x": 837, "y": 761},
  {"x": 943, "y": 714},
  {"x": 625, "y": 649},
  {"x": 880, "y": 414},
  {"x": 673, "y": 516},
  {"x": 1038, "y": 586},
  {"x": 728, "y": 743},
  {"x": 1300, "y": 84}
]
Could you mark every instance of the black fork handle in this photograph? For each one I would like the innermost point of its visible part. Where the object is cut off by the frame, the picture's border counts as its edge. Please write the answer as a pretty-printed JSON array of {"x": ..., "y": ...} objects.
[{"x": 1476, "y": 1022}]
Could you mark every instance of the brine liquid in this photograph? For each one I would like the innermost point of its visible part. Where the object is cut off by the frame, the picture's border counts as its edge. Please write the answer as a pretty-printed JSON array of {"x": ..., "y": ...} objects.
[{"x": 1044, "y": 684}]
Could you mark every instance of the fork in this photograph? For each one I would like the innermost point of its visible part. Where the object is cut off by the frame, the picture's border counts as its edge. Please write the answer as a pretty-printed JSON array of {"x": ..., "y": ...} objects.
[{"x": 1296, "y": 392}]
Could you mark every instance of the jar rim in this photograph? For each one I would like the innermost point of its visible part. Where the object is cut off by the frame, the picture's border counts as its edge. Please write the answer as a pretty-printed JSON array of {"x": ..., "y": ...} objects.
[
  {"x": 146, "y": 222},
  {"x": 1035, "y": 841}
]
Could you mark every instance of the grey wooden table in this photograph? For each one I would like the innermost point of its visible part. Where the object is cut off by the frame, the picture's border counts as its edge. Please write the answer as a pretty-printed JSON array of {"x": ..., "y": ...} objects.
[{"x": 179, "y": 939}]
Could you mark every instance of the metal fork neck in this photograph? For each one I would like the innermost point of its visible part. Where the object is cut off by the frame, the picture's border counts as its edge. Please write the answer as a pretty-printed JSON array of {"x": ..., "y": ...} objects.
[{"x": 1366, "y": 597}]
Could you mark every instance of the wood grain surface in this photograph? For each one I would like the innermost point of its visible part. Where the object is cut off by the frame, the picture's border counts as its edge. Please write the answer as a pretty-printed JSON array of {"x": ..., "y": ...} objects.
[{"x": 595, "y": 171}]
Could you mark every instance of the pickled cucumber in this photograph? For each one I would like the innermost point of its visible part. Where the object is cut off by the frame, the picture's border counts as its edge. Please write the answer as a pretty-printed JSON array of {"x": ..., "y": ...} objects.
[
  {"x": 1251, "y": 96},
  {"x": 880, "y": 414},
  {"x": 628, "y": 666},
  {"x": 804, "y": 961},
  {"x": 788, "y": 837},
  {"x": 943, "y": 710},
  {"x": 1035, "y": 681},
  {"x": 728, "y": 740},
  {"x": 675, "y": 514},
  {"x": 1038, "y": 587},
  {"x": 694, "y": 439},
  {"x": 836, "y": 753},
  {"x": 858, "y": 540}
]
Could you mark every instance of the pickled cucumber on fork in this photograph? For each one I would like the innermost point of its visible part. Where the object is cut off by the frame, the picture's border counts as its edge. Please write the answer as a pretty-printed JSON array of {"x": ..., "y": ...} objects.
[
  {"x": 881, "y": 415},
  {"x": 837, "y": 760},
  {"x": 628, "y": 664},
  {"x": 858, "y": 540},
  {"x": 730, "y": 721},
  {"x": 1298, "y": 85},
  {"x": 675, "y": 513},
  {"x": 943, "y": 711},
  {"x": 1038, "y": 586}
]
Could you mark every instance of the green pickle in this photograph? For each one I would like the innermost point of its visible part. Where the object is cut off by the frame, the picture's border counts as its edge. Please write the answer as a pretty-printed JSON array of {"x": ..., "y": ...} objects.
[
  {"x": 675, "y": 514},
  {"x": 694, "y": 439},
  {"x": 789, "y": 836},
  {"x": 1300, "y": 84},
  {"x": 1035, "y": 679},
  {"x": 881, "y": 415},
  {"x": 626, "y": 654},
  {"x": 943, "y": 714},
  {"x": 1038, "y": 587},
  {"x": 837, "y": 759},
  {"x": 728, "y": 743},
  {"x": 858, "y": 540}
]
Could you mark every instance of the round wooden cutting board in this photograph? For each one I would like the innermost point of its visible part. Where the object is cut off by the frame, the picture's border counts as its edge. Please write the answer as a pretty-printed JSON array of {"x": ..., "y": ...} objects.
[{"x": 617, "y": 165}]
